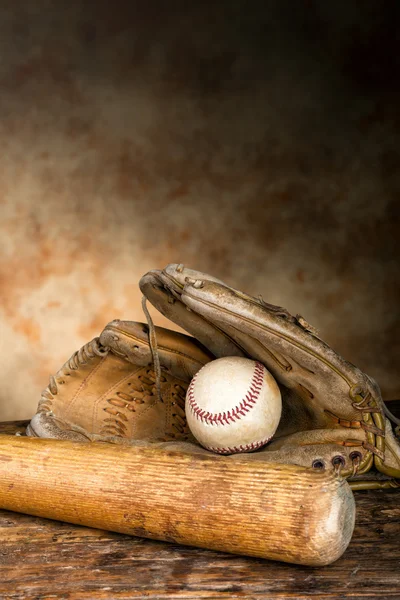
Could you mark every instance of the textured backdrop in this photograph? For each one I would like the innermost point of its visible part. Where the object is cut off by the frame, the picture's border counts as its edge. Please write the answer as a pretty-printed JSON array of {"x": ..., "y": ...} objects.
[{"x": 256, "y": 141}]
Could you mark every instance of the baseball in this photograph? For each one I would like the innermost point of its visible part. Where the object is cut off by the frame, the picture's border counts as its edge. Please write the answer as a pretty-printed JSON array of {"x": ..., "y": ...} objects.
[{"x": 233, "y": 405}]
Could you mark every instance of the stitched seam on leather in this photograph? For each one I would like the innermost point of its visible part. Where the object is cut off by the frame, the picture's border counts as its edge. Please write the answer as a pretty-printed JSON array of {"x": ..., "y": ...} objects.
[
  {"x": 182, "y": 287},
  {"x": 273, "y": 332},
  {"x": 96, "y": 405},
  {"x": 161, "y": 347},
  {"x": 237, "y": 412},
  {"x": 240, "y": 448},
  {"x": 175, "y": 281},
  {"x": 118, "y": 383},
  {"x": 84, "y": 382},
  {"x": 277, "y": 334}
]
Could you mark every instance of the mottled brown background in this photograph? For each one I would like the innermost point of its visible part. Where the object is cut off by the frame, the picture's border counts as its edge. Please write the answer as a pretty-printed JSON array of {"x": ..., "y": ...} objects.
[{"x": 257, "y": 141}]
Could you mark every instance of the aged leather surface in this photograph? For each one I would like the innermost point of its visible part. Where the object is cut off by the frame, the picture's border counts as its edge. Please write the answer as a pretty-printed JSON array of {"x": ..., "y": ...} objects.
[
  {"x": 107, "y": 390},
  {"x": 333, "y": 415}
]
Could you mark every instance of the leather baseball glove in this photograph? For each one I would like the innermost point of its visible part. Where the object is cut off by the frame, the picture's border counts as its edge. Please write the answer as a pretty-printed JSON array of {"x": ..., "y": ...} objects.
[
  {"x": 108, "y": 391},
  {"x": 128, "y": 386},
  {"x": 333, "y": 415}
]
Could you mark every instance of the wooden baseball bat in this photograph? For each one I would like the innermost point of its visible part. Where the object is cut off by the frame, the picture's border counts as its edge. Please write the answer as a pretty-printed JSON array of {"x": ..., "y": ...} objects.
[{"x": 279, "y": 512}]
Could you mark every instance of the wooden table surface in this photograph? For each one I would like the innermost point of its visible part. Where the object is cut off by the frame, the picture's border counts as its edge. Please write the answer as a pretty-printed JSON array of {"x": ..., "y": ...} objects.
[{"x": 44, "y": 559}]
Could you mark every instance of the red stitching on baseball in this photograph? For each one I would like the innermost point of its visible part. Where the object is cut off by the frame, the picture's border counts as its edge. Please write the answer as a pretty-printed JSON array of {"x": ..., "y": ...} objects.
[
  {"x": 233, "y": 414},
  {"x": 238, "y": 449}
]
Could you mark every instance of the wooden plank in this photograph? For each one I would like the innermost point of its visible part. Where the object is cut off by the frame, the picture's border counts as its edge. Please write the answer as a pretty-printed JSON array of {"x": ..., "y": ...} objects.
[{"x": 44, "y": 559}]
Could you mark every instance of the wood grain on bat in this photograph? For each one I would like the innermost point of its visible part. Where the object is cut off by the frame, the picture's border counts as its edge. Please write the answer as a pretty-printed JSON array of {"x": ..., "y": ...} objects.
[{"x": 280, "y": 512}]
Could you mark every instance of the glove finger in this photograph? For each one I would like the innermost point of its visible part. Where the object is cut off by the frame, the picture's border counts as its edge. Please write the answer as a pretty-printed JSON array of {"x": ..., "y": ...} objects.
[
  {"x": 164, "y": 293},
  {"x": 295, "y": 357},
  {"x": 333, "y": 391},
  {"x": 320, "y": 389},
  {"x": 330, "y": 449},
  {"x": 130, "y": 340}
]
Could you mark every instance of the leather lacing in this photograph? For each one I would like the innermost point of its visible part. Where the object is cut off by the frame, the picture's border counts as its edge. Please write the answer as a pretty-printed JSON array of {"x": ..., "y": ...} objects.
[
  {"x": 123, "y": 404},
  {"x": 79, "y": 358},
  {"x": 339, "y": 462},
  {"x": 178, "y": 423},
  {"x": 153, "y": 347},
  {"x": 367, "y": 406},
  {"x": 363, "y": 402}
]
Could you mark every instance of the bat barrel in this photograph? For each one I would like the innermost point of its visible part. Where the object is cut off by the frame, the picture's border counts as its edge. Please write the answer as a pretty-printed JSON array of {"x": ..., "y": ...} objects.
[{"x": 279, "y": 512}]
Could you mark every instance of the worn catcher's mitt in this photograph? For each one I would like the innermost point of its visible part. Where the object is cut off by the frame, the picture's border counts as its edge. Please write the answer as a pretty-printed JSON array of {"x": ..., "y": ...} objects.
[{"x": 333, "y": 414}]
